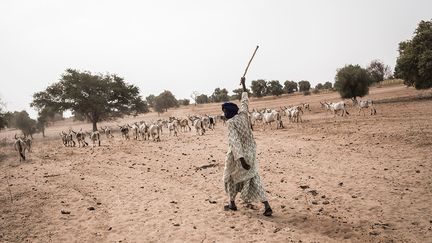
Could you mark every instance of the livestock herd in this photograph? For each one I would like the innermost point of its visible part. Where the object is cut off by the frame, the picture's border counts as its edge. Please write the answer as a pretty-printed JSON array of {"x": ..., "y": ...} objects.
[{"x": 152, "y": 130}]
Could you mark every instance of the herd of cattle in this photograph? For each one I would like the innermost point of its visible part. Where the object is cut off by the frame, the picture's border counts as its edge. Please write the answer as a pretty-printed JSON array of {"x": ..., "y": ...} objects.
[{"x": 152, "y": 130}]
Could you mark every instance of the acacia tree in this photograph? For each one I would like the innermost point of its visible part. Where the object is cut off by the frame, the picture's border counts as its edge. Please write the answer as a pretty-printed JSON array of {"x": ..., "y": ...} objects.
[
  {"x": 150, "y": 100},
  {"x": 91, "y": 97},
  {"x": 275, "y": 88},
  {"x": 259, "y": 87},
  {"x": 378, "y": 71},
  {"x": 327, "y": 85},
  {"x": 290, "y": 87},
  {"x": 164, "y": 101},
  {"x": 352, "y": 82},
  {"x": 202, "y": 99},
  {"x": 220, "y": 95},
  {"x": 23, "y": 122},
  {"x": 238, "y": 93},
  {"x": 414, "y": 64},
  {"x": 304, "y": 85}
]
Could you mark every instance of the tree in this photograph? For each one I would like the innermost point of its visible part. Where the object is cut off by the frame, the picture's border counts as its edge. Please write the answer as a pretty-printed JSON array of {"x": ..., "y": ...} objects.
[
  {"x": 45, "y": 116},
  {"x": 91, "y": 97},
  {"x": 319, "y": 86},
  {"x": 3, "y": 121},
  {"x": 259, "y": 88},
  {"x": 202, "y": 99},
  {"x": 150, "y": 100},
  {"x": 414, "y": 64},
  {"x": 194, "y": 96},
  {"x": 304, "y": 85},
  {"x": 290, "y": 87},
  {"x": 352, "y": 82},
  {"x": 328, "y": 85},
  {"x": 184, "y": 102},
  {"x": 275, "y": 88},
  {"x": 23, "y": 122},
  {"x": 164, "y": 101},
  {"x": 220, "y": 95},
  {"x": 378, "y": 71},
  {"x": 238, "y": 93}
]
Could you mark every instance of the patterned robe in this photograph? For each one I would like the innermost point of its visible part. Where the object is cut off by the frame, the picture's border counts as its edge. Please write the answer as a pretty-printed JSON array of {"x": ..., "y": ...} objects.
[{"x": 242, "y": 144}]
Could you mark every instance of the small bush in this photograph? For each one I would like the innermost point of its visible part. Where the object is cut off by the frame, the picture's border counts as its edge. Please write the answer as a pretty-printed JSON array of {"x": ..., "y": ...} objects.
[
  {"x": 306, "y": 92},
  {"x": 315, "y": 91}
]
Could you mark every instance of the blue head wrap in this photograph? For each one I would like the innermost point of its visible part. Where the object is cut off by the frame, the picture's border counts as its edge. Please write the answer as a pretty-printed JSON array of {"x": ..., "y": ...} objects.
[{"x": 230, "y": 109}]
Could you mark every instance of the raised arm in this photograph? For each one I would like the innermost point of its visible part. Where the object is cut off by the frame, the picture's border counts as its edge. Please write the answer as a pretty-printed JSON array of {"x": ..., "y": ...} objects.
[{"x": 244, "y": 106}]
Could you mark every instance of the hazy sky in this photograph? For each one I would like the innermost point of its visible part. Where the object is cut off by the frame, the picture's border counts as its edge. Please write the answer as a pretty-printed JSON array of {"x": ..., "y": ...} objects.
[{"x": 188, "y": 45}]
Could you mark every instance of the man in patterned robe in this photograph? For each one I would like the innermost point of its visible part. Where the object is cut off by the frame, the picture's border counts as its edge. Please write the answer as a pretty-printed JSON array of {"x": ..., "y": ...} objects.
[{"x": 241, "y": 166}]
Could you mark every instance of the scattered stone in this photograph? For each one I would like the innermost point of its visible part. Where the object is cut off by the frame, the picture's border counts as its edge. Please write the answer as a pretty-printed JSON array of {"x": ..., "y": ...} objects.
[
  {"x": 304, "y": 187},
  {"x": 374, "y": 233},
  {"x": 98, "y": 203},
  {"x": 354, "y": 196},
  {"x": 65, "y": 211},
  {"x": 174, "y": 202},
  {"x": 277, "y": 230},
  {"x": 340, "y": 184},
  {"x": 417, "y": 171},
  {"x": 313, "y": 192},
  {"x": 177, "y": 224},
  {"x": 232, "y": 227},
  {"x": 314, "y": 202},
  {"x": 195, "y": 227},
  {"x": 326, "y": 202},
  {"x": 323, "y": 196},
  {"x": 212, "y": 201},
  {"x": 283, "y": 206},
  {"x": 91, "y": 208},
  {"x": 110, "y": 228}
]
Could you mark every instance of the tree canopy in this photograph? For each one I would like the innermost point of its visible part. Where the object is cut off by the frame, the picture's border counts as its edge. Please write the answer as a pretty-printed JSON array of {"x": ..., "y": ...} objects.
[
  {"x": 352, "y": 81},
  {"x": 3, "y": 120},
  {"x": 220, "y": 95},
  {"x": 164, "y": 101},
  {"x": 150, "y": 100},
  {"x": 22, "y": 121},
  {"x": 304, "y": 85},
  {"x": 319, "y": 86},
  {"x": 202, "y": 99},
  {"x": 327, "y": 85},
  {"x": 290, "y": 87},
  {"x": 259, "y": 88},
  {"x": 378, "y": 71},
  {"x": 274, "y": 88},
  {"x": 94, "y": 97},
  {"x": 414, "y": 64}
]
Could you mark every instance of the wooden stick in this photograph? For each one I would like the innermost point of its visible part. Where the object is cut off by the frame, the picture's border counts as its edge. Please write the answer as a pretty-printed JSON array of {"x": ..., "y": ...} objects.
[{"x": 244, "y": 74}]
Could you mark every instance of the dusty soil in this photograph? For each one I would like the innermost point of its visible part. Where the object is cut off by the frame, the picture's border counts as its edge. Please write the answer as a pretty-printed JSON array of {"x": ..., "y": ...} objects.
[{"x": 329, "y": 179}]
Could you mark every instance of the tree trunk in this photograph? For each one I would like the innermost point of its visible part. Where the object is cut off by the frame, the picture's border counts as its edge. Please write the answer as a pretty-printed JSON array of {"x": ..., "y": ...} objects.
[
  {"x": 43, "y": 132},
  {"x": 94, "y": 126}
]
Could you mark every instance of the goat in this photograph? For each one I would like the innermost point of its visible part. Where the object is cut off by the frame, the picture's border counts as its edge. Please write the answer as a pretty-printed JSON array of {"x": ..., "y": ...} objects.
[
  {"x": 67, "y": 139},
  {"x": 107, "y": 132},
  {"x": 173, "y": 125},
  {"x": 199, "y": 125},
  {"x": 80, "y": 136},
  {"x": 183, "y": 124},
  {"x": 134, "y": 127},
  {"x": 364, "y": 104},
  {"x": 293, "y": 113},
  {"x": 94, "y": 136},
  {"x": 154, "y": 131},
  {"x": 338, "y": 106},
  {"x": 124, "y": 131},
  {"x": 20, "y": 146},
  {"x": 144, "y": 131},
  {"x": 271, "y": 116}
]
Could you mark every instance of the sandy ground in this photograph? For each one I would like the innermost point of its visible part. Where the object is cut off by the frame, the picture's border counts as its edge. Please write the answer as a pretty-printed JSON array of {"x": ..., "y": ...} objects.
[{"x": 355, "y": 179}]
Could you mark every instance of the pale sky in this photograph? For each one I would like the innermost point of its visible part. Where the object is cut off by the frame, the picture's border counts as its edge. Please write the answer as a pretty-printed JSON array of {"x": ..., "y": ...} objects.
[{"x": 195, "y": 45}]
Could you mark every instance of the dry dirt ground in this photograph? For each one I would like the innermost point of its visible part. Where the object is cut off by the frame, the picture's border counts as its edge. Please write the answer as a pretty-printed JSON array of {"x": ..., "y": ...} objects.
[{"x": 329, "y": 179}]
